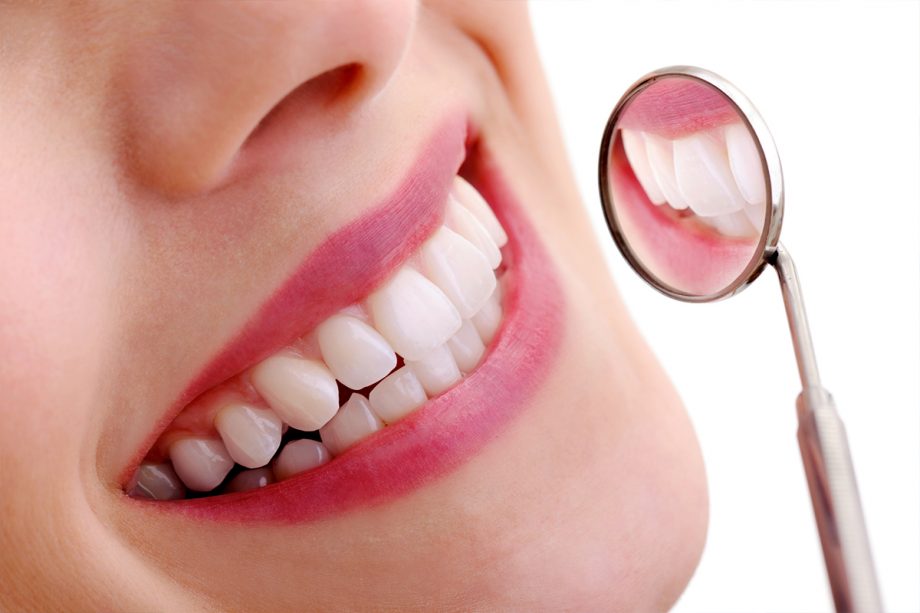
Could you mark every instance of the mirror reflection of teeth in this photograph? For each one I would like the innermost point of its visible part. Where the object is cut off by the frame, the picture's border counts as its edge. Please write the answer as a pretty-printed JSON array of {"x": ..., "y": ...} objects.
[
  {"x": 715, "y": 173},
  {"x": 437, "y": 313}
]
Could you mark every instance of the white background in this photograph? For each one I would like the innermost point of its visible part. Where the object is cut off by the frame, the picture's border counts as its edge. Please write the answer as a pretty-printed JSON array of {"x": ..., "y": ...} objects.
[{"x": 839, "y": 85}]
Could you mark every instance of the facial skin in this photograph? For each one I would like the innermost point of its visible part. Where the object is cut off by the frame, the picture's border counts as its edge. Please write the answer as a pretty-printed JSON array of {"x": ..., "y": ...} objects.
[{"x": 146, "y": 210}]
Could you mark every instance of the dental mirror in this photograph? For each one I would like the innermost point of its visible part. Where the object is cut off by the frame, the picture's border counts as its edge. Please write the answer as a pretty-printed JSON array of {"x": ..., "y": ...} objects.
[{"x": 692, "y": 191}]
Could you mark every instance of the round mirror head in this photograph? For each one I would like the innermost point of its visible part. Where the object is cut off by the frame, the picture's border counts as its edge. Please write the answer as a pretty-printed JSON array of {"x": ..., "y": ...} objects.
[{"x": 691, "y": 184}]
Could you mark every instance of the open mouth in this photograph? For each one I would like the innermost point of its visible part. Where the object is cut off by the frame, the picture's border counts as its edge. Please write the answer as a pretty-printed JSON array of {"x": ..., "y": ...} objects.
[{"x": 409, "y": 370}]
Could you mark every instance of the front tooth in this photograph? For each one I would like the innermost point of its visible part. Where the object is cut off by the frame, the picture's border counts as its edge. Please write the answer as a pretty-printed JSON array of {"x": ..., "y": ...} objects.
[
  {"x": 157, "y": 482},
  {"x": 397, "y": 395},
  {"x": 459, "y": 269},
  {"x": 734, "y": 224},
  {"x": 437, "y": 370},
  {"x": 354, "y": 422},
  {"x": 299, "y": 456},
  {"x": 744, "y": 160},
  {"x": 250, "y": 480},
  {"x": 704, "y": 177},
  {"x": 489, "y": 317},
  {"x": 460, "y": 220},
  {"x": 355, "y": 353},
  {"x": 634, "y": 145},
  {"x": 302, "y": 392},
  {"x": 201, "y": 463},
  {"x": 477, "y": 205},
  {"x": 660, "y": 153},
  {"x": 251, "y": 435},
  {"x": 413, "y": 314},
  {"x": 467, "y": 347}
]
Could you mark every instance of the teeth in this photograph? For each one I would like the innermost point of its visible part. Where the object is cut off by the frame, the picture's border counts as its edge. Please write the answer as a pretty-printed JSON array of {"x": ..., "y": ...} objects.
[
  {"x": 156, "y": 481},
  {"x": 356, "y": 353},
  {"x": 466, "y": 346},
  {"x": 476, "y": 204},
  {"x": 250, "y": 480},
  {"x": 464, "y": 223},
  {"x": 413, "y": 314},
  {"x": 397, "y": 395},
  {"x": 660, "y": 153},
  {"x": 704, "y": 177},
  {"x": 302, "y": 392},
  {"x": 299, "y": 456},
  {"x": 251, "y": 435},
  {"x": 489, "y": 318},
  {"x": 354, "y": 422},
  {"x": 733, "y": 224},
  {"x": 436, "y": 370},
  {"x": 201, "y": 463},
  {"x": 459, "y": 269},
  {"x": 634, "y": 145},
  {"x": 744, "y": 161}
]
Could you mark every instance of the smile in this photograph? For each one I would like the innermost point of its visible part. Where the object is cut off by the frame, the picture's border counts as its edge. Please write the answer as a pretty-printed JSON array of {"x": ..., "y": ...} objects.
[{"x": 399, "y": 348}]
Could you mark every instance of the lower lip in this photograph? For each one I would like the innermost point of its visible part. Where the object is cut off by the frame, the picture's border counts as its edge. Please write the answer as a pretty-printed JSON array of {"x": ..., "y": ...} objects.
[
  {"x": 680, "y": 252},
  {"x": 448, "y": 430}
]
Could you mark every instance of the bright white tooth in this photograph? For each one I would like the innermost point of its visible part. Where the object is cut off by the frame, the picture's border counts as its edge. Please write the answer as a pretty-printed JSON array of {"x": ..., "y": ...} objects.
[
  {"x": 201, "y": 463},
  {"x": 757, "y": 215},
  {"x": 466, "y": 346},
  {"x": 413, "y": 314},
  {"x": 302, "y": 392},
  {"x": 355, "y": 353},
  {"x": 744, "y": 160},
  {"x": 437, "y": 370},
  {"x": 634, "y": 145},
  {"x": 250, "y": 480},
  {"x": 251, "y": 435},
  {"x": 460, "y": 220},
  {"x": 157, "y": 482},
  {"x": 489, "y": 317},
  {"x": 703, "y": 175},
  {"x": 354, "y": 422},
  {"x": 397, "y": 395},
  {"x": 299, "y": 456},
  {"x": 660, "y": 153},
  {"x": 734, "y": 224},
  {"x": 459, "y": 269},
  {"x": 470, "y": 197}
]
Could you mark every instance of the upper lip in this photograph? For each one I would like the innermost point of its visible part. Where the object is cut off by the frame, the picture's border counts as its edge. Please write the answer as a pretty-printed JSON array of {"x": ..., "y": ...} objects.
[{"x": 343, "y": 269}]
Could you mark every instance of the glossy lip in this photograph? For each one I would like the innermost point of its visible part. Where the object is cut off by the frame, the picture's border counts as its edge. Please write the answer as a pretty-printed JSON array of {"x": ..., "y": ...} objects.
[
  {"x": 448, "y": 429},
  {"x": 682, "y": 255},
  {"x": 675, "y": 106}
]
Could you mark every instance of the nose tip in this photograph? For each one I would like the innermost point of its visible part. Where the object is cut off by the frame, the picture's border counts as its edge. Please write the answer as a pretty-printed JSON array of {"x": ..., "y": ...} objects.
[{"x": 202, "y": 80}]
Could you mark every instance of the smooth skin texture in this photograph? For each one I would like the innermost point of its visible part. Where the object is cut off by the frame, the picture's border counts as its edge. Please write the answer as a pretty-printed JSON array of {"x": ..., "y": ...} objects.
[{"x": 153, "y": 193}]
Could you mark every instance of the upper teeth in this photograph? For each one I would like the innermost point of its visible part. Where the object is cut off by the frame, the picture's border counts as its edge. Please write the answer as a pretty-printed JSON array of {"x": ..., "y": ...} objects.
[
  {"x": 438, "y": 311},
  {"x": 716, "y": 173}
]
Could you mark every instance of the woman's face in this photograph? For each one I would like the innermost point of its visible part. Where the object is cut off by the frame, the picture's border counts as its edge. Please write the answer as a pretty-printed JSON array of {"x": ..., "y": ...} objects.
[{"x": 188, "y": 193}]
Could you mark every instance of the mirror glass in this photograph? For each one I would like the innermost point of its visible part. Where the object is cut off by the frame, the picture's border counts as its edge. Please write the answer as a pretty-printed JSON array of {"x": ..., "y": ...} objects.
[{"x": 686, "y": 189}]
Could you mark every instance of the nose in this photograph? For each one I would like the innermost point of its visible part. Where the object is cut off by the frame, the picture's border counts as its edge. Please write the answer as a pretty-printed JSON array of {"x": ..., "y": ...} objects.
[{"x": 200, "y": 77}]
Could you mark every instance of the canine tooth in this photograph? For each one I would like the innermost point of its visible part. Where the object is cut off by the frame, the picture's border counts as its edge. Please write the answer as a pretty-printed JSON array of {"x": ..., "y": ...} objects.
[
  {"x": 489, "y": 317},
  {"x": 744, "y": 161},
  {"x": 464, "y": 223},
  {"x": 299, "y": 456},
  {"x": 302, "y": 392},
  {"x": 355, "y": 353},
  {"x": 250, "y": 480},
  {"x": 436, "y": 370},
  {"x": 634, "y": 145},
  {"x": 459, "y": 269},
  {"x": 703, "y": 175},
  {"x": 354, "y": 421},
  {"x": 660, "y": 153},
  {"x": 251, "y": 435},
  {"x": 397, "y": 395},
  {"x": 157, "y": 482},
  {"x": 470, "y": 197},
  {"x": 466, "y": 346},
  {"x": 413, "y": 314},
  {"x": 201, "y": 463}
]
